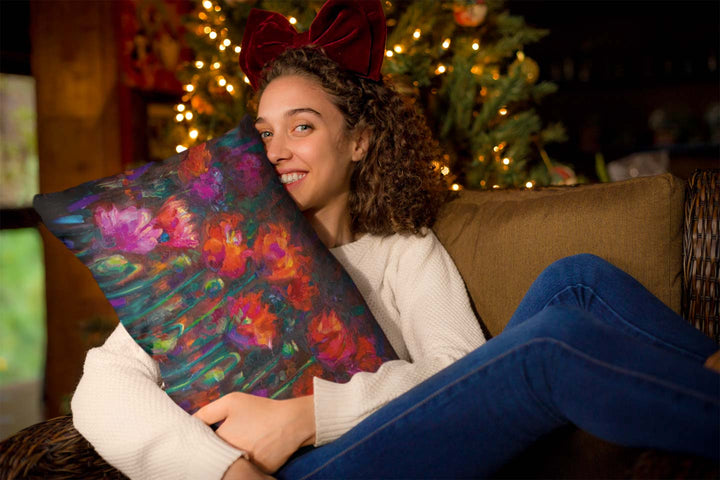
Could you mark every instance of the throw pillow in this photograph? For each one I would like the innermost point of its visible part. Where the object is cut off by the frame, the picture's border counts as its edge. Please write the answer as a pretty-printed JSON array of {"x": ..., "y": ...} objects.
[{"x": 215, "y": 273}]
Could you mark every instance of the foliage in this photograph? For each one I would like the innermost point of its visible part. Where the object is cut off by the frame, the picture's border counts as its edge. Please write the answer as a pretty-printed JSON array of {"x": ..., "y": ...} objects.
[{"x": 474, "y": 83}]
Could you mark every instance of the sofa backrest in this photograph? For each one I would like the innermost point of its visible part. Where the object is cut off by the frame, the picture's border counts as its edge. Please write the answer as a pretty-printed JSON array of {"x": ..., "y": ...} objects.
[{"x": 501, "y": 240}]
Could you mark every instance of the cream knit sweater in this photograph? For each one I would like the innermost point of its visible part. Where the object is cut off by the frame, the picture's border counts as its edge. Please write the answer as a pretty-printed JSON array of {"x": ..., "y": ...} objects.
[{"x": 412, "y": 288}]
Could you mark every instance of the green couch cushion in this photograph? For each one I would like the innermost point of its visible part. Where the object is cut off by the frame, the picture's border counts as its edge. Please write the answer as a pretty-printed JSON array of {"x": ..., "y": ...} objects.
[{"x": 502, "y": 239}]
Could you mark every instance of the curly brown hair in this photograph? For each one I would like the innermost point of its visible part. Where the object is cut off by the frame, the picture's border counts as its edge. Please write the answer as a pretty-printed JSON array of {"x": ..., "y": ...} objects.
[{"x": 396, "y": 188}]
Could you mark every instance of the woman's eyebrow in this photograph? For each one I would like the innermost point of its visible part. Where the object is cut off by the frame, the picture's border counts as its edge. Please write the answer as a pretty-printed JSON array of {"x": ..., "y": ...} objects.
[{"x": 292, "y": 112}]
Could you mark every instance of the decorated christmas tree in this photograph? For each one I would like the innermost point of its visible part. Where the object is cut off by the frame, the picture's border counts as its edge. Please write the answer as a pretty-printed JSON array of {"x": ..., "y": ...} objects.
[{"x": 462, "y": 61}]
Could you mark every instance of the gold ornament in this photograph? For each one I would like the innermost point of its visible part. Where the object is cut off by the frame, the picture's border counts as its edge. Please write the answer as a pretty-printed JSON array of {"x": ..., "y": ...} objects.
[{"x": 528, "y": 68}]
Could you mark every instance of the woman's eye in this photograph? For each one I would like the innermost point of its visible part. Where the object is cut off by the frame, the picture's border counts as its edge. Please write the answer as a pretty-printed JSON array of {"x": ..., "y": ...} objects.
[
  {"x": 262, "y": 134},
  {"x": 304, "y": 127}
]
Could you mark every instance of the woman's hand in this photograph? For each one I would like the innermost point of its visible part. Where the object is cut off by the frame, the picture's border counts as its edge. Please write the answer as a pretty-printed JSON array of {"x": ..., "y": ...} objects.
[
  {"x": 269, "y": 430},
  {"x": 242, "y": 469}
]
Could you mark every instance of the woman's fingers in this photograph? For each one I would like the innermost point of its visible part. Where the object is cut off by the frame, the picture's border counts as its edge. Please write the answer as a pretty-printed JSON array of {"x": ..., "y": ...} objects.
[{"x": 214, "y": 411}]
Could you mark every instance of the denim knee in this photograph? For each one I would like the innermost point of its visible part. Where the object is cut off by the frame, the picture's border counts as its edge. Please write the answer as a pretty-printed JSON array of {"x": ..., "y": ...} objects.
[
  {"x": 562, "y": 323},
  {"x": 578, "y": 266}
]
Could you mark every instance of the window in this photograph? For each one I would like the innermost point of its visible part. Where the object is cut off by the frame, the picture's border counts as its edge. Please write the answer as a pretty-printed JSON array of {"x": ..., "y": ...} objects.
[{"x": 22, "y": 296}]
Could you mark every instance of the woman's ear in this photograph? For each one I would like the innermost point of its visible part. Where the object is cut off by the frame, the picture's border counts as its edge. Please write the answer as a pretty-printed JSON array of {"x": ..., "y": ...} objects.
[{"x": 361, "y": 145}]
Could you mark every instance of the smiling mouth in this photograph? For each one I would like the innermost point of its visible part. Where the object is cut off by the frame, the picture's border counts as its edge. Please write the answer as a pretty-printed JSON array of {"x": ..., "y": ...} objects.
[{"x": 288, "y": 178}]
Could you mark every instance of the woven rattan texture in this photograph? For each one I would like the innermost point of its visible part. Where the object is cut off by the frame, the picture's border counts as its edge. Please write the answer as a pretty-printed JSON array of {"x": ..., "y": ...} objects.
[
  {"x": 701, "y": 252},
  {"x": 52, "y": 449}
]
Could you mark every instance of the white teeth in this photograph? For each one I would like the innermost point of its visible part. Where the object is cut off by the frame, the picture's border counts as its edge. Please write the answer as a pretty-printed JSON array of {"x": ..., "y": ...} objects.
[{"x": 290, "y": 177}]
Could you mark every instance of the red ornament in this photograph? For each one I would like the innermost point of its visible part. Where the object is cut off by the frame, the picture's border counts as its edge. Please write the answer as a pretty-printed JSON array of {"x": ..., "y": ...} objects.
[{"x": 468, "y": 14}]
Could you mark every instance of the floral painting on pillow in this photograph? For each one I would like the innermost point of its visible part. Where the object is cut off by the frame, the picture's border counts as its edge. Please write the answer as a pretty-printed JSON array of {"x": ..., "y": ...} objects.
[{"x": 215, "y": 273}]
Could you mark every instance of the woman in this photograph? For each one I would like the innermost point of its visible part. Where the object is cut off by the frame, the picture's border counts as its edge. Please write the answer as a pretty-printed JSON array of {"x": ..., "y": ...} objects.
[{"x": 587, "y": 344}]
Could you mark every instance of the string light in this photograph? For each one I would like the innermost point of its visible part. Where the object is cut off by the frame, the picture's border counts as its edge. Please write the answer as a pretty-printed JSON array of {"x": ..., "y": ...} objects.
[
  {"x": 188, "y": 116},
  {"x": 237, "y": 49},
  {"x": 496, "y": 186},
  {"x": 229, "y": 88},
  {"x": 389, "y": 53},
  {"x": 199, "y": 64},
  {"x": 207, "y": 4},
  {"x": 446, "y": 44},
  {"x": 503, "y": 111},
  {"x": 179, "y": 117},
  {"x": 222, "y": 82},
  {"x": 455, "y": 187},
  {"x": 477, "y": 69},
  {"x": 416, "y": 34},
  {"x": 193, "y": 134},
  {"x": 216, "y": 65},
  {"x": 506, "y": 161},
  {"x": 221, "y": 48},
  {"x": 180, "y": 148},
  {"x": 445, "y": 170},
  {"x": 529, "y": 185},
  {"x": 246, "y": 80},
  {"x": 212, "y": 34},
  {"x": 440, "y": 69},
  {"x": 207, "y": 29},
  {"x": 189, "y": 88},
  {"x": 398, "y": 48},
  {"x": 476, "y": 45},
  {"x": 217, "y": 8},
  {"x": 202, "y": 16},
  {"x": 292, "y": 20},
  {"x": 180, "y": 107},
  {"x": 227, "y": 42}
]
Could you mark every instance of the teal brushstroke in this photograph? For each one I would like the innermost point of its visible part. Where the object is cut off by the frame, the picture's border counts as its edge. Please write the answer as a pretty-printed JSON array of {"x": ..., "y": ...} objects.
[
  {"x": 260, "y": 375},
  {"x": 294, "y": 379},
  {"x": 69, "y": 220},
  {"x": 202, "y": 372},
  {"x": 222, "y": 301},
  {"x": 162, "y": 300}
]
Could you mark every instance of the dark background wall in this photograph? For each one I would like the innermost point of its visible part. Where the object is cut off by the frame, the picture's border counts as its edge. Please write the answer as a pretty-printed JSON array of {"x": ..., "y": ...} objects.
[{"x": 617, "y": 62}]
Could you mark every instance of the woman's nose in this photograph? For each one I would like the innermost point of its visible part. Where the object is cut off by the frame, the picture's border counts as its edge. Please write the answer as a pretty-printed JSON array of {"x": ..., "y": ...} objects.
[{"x": 277, "y": 150}]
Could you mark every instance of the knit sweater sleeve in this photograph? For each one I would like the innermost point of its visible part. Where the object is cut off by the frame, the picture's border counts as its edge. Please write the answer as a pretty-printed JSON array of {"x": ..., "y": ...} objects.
[
  {"x": 121, "y": 409},
  {"x": 437, "y": 326}
]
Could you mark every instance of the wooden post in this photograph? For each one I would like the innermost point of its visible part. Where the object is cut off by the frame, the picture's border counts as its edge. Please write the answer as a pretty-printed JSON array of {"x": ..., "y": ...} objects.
[{"x": 74, "y": 62}]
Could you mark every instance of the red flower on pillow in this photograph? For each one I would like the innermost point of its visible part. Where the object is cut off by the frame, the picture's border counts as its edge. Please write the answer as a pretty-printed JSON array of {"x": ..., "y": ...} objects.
[
  {"x": 195, "y": 164},
  {"x": 282, "y": 261},
  {"x": 253, "y": 324},
  {"x": 300, "y": 292},
  {"x": 304, "y": 385},
  {"x": 366, "y": 358},
  {"x": 224, "y": 249},
  {"x": 330, "y": 341},
  {"x": 176, "y": 222},
  {"x": 130, "y": 230}
]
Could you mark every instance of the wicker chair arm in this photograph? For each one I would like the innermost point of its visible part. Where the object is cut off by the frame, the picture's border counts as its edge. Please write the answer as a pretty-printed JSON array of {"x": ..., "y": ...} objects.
[
  {"x": 53, "y": 449},
  {"x": 701, "y": 252}
]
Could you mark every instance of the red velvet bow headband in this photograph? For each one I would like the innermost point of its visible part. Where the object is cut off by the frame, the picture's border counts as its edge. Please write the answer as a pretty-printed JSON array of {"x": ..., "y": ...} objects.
[{"x": 352, "y": 32}]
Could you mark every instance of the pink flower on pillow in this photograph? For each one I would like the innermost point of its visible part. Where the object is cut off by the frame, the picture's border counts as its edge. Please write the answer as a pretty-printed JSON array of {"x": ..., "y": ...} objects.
[
  {"x": 331, "y": 341},
  {"x": 176, "y": 221},
  {"x": 130, "y": 230},
  {"x": 209, "y": 185},
  {"x": 224, "y": 249},
  {"x": 248, "y": 172}
]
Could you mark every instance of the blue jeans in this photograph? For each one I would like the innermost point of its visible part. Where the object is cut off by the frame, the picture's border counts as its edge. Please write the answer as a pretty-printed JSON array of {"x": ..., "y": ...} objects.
[{"x": 588, "y": 345}]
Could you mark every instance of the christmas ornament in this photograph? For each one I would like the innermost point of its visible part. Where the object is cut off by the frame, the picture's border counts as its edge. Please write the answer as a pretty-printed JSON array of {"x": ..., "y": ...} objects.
[
  {"x": 470, "y": 13},
  {"x": 562, "y": 175},
  {"x": 528, "y": 68}
]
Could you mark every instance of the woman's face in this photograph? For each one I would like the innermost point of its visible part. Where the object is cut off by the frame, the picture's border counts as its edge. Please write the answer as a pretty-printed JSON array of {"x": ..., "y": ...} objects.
[{"x": 306, "y": 141}]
